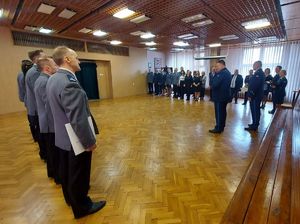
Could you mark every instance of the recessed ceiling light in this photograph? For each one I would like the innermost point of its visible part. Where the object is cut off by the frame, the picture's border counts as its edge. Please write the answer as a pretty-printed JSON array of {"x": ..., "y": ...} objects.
[
  {"x": 45, "y": 30},
  {"x": 193, "y": 18},
  {"x": 31, "y": 28},
  {"x": 150, "y": 43},
  {"x": 99, "y": 33},
  {"x": 124, "y": 13},
  {"x": 85, "y": 30},
  {"x": 215, "y": 45},
  {"x": 147, "y": 35},
  {"x": 256, "y": 24},
  {"x": 44, "y": 8},
  {"x": 181, "y": 44},
  {"x": 138, "y": 33},
  {"x": 140, "y": 19},
  {"x": 203, "y": 23},
  {"x": 66, "y": 13},
  {"x": 189, "y": 38},
  {"x": 115, "y": 42},
  {"x": 186, "y": 35}
]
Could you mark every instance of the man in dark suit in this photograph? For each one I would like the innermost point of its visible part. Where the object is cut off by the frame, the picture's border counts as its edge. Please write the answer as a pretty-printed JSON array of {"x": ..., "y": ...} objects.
[
  {"x": 274, "y": 86},
  {"x": 211, "y": 76},
  {"x": 31, "y": 76},
  {"x": 256, "y": 94},
  {"x": 69, "y": 105},
  {"x": 220, "y": 95},
  {"x": 236, "y": 85},
  {"x": 247, "y": 80}
]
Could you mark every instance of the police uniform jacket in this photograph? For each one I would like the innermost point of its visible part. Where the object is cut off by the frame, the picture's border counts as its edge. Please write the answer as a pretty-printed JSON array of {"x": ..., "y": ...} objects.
[
  {"x": 31, "y": 76},
  {"x": 69, "y": 104},
  {"x": 221, "y": 86},
  {"x": 150, "y": 77},
  {"x": 21, "y": 86},
  {"x": 256, "y": 85}
]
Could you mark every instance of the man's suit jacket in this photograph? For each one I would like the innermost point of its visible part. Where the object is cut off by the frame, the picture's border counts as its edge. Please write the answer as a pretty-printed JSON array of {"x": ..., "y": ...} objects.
[{"x": 69, "y": 104}]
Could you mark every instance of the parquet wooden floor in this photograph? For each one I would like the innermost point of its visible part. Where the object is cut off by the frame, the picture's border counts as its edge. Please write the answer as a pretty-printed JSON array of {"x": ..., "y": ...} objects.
[{"x": 155, "y": 163}]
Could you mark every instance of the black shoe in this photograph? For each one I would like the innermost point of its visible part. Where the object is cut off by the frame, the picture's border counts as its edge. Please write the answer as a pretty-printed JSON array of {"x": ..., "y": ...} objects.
[
  {"x": 250, "y": 129},
  {"x": 96, "y": 206},
  {"x": 215, "y": 131}
]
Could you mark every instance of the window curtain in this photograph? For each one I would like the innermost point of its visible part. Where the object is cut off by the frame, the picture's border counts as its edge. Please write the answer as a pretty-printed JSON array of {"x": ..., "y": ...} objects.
[{"x": 285, "y": 54}]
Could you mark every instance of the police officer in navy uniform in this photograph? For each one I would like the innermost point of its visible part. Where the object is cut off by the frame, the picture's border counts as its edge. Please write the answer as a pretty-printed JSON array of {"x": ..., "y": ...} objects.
[
  {"x": 47, "y": 67},
  {"x": 150, "y": 76},
  {"x": 281, "y": 85},
  {"x": 69, "y": 104},
  {"x": 247, "y": 80},
  {"x": 275, "y": 87},
  {"x": 256, "y": 94},
  {"x": 220, "y": 95},
  {"x": 31, "y": 76}
]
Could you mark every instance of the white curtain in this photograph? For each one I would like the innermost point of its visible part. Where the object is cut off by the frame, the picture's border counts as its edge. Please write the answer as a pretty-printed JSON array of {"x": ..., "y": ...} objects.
[
  {"x": 285, "y": 54},
  {"x": 186, "y": 60}
]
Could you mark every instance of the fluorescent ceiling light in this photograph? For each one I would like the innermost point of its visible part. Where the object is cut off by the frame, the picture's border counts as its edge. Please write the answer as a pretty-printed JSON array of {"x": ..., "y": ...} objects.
[
  {"x": 147, "y": 35},
  {"x": 44, "y": 8},
  {"x": 152, "y": 48},
  {"x": 256, "y": 24},
  {"x": 31, "y": 28},
  {"x": 189, "y": 38},
  {"x": 1, "y": 12},
  {"x": 124, "y": 13},
  {"x": 85, "y": 30},
  {"x": 193, "y": 18},
  {"x": 267, "y": 39},
  {"x": 99, "y": 33},
  {"x": 66, "y": 13},
  {"x": 45, "y": 30},
  {"x": 150, "y": 43},
  {"x": 215, "y": 45},
  {"x": 115, "y": 42},
  {"x": 203, "y": 23},
  {"x": 140, "y": 19},
  {"x": 186, "y": 35},
  {"x": 229, "y": 37},
  {"x": 181, "y": 44},
  {"x": 177, "y": 49},
  {"x": 138, "y": 33}
]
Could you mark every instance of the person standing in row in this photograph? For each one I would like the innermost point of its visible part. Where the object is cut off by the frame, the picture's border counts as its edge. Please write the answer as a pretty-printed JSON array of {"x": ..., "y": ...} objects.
[
  {"x": 267, "y": 87},
  {"x": 275, "y": 88},
  {"x": 150, "y": 76},
  {"x": 181, "y": 84},
  {"x": 202, "y": 85},
  {"x": 211, "y": 76},
  {"x": 188, "y": 83},
  {"x": 247, "y": 80},
  {"x": 47, "y": 67},
  {"x": 221, "y": 95},
  {"x": 196, "y": 85},
  {"x": 69, "y": 104},
  {"x": 236, "y": 85},
  {"x": 175, "y": 83},
  {"x": 280, "y": 88},
  {"x": 256, "y": 93},
  {"x": 31, "y": 76}
]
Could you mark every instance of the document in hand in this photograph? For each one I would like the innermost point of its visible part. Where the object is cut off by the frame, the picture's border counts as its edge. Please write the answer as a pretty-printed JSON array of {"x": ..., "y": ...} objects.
[{"x": 75, "y": 142}]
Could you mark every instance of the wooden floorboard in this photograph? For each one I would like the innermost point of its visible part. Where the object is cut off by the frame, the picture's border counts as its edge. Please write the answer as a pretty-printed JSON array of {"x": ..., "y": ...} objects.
[{"x": 155, "y": 163}]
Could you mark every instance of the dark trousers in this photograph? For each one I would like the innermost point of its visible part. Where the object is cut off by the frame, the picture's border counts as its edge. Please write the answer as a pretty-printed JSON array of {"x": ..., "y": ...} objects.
[
  {"x": 255, "y": 112},
  {"x": 234, "y": 94},
  {"x": 157, "y": 89},
  {"x": 150, "y": 87},
  {"x": 188, "y": 91},
  {"x": 220, "y": 114},
  {"x": 175, "y": 91},
  {"x": 202, "y": 92},
  {"x": 245, "y": 97},
  {"x": 75, "y": 177},
  {"x": 210, "y": 93},
  {"x": 34, "y": 124},
  {"x": 53, "y": 159},
  {"x": 182, "y": 90}
]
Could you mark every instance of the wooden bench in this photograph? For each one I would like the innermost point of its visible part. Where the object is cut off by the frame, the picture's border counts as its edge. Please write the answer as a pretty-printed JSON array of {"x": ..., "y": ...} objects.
[{"x": 269, "y": 192}]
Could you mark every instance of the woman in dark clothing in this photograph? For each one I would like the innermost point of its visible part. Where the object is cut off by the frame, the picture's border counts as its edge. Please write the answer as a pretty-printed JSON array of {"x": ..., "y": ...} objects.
[
  {"x": 196, "y": 85},
  {"x": 188, "y": 82},
  {"x": 267, "y": 87},
  {"x": 202, "y": 86}
]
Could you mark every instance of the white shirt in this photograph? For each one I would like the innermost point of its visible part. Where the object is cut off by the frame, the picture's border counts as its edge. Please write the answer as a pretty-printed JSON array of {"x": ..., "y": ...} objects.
[{"x": 232, "y": 85}]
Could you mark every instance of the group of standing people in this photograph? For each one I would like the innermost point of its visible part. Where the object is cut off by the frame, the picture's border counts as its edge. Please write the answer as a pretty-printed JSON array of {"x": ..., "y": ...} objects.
[
  {"x": 258, "y": 83},
  {"x": 181, "y": 83},
  {"x": 53, "y": 98}
]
